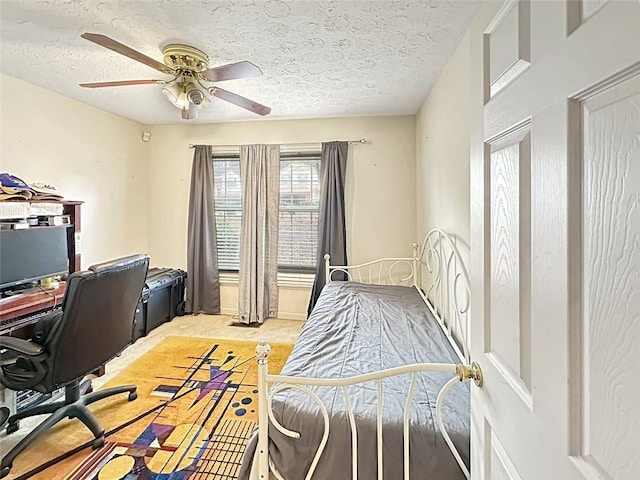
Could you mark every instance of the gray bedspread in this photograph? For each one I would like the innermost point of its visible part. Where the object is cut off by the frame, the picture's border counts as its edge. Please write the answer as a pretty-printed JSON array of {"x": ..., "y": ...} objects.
[{"x": 354, "y": 329}]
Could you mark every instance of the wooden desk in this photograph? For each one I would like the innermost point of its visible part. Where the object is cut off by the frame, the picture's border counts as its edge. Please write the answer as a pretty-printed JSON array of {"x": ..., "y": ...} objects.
[{"x": 13, "y": 309}]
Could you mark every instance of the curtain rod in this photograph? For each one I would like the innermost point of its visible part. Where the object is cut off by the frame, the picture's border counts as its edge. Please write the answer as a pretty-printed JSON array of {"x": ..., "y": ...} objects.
[{"x": 350, "y": 142}]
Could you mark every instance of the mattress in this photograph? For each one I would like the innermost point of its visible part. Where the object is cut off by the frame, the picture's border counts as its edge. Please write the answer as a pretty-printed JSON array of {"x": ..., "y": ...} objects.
[{"x": 354, "y": 329}]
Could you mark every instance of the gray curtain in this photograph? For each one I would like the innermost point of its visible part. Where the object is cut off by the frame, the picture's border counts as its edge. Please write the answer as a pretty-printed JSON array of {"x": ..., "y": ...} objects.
[
  {"x": 258, "y": 287},
  {"x": 203, "y": 283},
  {"x": 332, "y": 236}
]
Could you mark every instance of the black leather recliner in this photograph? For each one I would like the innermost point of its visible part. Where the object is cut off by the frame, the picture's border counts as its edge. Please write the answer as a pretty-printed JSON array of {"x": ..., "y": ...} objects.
[{"x": 95, "y": 324}]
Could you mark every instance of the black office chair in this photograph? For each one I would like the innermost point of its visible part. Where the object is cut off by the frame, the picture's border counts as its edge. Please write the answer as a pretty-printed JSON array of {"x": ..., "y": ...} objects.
[{"x": 95, "y": 324}]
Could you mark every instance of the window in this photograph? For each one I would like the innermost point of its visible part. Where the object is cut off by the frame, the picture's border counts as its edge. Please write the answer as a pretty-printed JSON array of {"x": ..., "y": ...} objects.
[
  {"x": 299, "y": 206},
  {"x": 298, "y": 218},
  {"x": 228, "y": 211}
]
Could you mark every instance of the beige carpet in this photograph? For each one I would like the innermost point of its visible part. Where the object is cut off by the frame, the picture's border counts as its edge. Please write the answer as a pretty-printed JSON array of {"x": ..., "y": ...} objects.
[{"x": 148, "y": 376}]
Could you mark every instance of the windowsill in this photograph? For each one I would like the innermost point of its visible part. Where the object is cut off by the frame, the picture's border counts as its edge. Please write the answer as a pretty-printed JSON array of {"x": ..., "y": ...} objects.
[{"x": 299, "y": 280}]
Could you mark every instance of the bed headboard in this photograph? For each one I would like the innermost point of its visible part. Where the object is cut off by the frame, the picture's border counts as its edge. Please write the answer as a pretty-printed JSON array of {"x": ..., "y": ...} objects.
[
  {"x": 383, "y": 271},
  {"x": 443, "y": 281}
]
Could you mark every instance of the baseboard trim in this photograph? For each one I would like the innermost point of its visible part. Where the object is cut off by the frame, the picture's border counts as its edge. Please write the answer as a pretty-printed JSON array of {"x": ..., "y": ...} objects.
[
  {"x": 281, "y": 315},
  {"x": 292, "y": 316}
]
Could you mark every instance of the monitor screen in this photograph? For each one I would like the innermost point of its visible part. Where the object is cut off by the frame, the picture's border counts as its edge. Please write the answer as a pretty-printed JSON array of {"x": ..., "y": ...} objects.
[{"x": 32, "y": 254}]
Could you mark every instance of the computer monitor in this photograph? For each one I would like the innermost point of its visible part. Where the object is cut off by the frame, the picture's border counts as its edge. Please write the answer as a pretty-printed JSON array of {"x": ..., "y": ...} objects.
[{"x": 32, "y": 254}]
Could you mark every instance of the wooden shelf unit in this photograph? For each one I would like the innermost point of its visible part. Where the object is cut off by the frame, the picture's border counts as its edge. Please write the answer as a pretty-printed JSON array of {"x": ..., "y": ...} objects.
[{"x": 13, "y": 310}]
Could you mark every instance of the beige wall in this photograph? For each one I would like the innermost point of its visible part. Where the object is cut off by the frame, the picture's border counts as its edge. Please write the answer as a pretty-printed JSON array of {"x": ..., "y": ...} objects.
[
  {"x": 442, "y": 151},
  {"x": 89, "y": 154},
  {"x": 136, "y": 193},
  {"x": 292, "y": 301},
  {"x": 380, "y": 190}
]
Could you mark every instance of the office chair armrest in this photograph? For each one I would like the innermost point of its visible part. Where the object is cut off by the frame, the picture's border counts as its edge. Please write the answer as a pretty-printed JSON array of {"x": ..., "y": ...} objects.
[
  {"x": 45, "y": 325},
  {"x": 18, "y": 345}
]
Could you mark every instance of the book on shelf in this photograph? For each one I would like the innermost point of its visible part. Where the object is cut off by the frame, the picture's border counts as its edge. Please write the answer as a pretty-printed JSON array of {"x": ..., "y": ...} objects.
[
  {"x": 54, "y": 220},
  {"x": 13, "y": 225}
]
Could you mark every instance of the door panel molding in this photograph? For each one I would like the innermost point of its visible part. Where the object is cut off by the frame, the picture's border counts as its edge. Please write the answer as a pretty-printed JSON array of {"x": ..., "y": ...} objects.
[
  {"x": 509, "y": 42},
  {"x": 575, "y": 226},
  {"x": 579, "y": 11},
  {"x": 510, "y": 136},
  {"x": 532, "y": 92},
  {"x": 508, "y": 323},
  {"x": 605, "y": 420},
  {"x": 512, "y": 378},
  {"x": 588, "y": 8},
  {"x": 500, "y": 459},
  {"x": 608, "y": 83}
]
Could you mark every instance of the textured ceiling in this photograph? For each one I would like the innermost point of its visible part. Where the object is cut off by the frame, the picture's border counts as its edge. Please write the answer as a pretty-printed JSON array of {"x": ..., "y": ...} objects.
[{"x": 319, "y": 58}]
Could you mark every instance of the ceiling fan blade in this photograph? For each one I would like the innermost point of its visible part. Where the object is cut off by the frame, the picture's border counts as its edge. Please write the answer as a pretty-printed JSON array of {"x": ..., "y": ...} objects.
[
  {"x": 120, "y": 83},
  {"x": 240, "y": 101},
  {"x": 118, "y": 47},
  {"x": 232, "y": 71}
]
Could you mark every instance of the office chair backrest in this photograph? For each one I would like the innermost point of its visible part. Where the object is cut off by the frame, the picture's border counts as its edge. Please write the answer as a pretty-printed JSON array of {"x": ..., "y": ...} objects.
[{"x": 97, "y": 320}]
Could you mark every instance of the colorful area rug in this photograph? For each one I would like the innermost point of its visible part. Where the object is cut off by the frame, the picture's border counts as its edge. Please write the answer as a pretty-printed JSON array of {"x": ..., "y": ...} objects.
[{"x": 196, "y": 409}]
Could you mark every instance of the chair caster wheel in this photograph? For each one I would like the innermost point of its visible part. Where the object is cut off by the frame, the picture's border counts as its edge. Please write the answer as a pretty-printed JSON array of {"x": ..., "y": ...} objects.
[
  {"x": 98, "y": 442},
  {"x": 12, "y": 427},
  {"x": 133, "y": 396},
  {"x": 5, "y": 471}
]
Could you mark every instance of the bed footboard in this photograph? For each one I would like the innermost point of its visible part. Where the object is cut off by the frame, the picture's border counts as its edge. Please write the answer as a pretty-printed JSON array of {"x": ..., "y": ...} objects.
[{"x": 459, "y": 372}]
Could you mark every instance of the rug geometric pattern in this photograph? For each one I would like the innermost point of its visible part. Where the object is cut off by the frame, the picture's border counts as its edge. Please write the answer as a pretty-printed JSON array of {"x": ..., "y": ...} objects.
[{"x": 199, "y": 411}]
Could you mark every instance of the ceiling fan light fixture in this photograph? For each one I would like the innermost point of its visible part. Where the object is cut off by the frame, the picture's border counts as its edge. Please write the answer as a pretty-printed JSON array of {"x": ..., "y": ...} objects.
[
  {"x": 172, "y": 93},
  {"x": 184, "y": 94},
  {"x": 183, "y": 101},
  {"x": 190, "y": 112},
  {"x": 196, "y": 96}
]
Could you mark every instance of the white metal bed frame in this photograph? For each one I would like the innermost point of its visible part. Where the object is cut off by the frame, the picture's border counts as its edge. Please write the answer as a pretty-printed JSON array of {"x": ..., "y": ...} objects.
[{"x": 438, "y": 265}]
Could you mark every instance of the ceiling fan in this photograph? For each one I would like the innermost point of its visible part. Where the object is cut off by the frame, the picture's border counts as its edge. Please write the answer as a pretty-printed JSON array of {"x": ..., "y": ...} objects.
[{"x": 190, "y": 68}]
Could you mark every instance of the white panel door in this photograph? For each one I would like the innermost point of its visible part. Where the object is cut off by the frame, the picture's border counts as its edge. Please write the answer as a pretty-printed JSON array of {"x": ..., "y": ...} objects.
[{"x": 555, "y": 180}]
